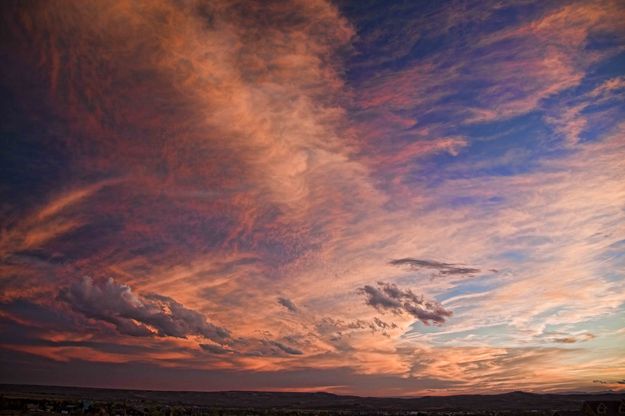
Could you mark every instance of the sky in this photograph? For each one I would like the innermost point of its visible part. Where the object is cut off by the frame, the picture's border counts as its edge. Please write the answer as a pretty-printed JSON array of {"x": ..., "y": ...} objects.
[{"x": 360, "y": 197}]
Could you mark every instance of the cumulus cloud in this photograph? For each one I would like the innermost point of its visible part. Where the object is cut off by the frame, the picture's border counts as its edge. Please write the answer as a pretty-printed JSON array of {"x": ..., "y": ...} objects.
[
  {"x": 380, "y": 299},
  {"x": 138, "y": 315},
  {"x": 387, "y": 296},
  {"x": 443, "y": 268},
  {"x": 288, "y": 304}
]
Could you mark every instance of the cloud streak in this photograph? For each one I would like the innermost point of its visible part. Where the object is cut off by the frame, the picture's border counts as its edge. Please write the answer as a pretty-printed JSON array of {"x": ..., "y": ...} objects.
[
  {"x": 287, "y": 304},
  {"x": 442, "y": 268}
]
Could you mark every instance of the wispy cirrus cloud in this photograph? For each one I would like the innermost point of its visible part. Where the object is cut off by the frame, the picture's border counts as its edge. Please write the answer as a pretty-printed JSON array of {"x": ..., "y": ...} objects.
[
  {"x": 510, "y": 72},
  {"x": 573, "y": 116}
]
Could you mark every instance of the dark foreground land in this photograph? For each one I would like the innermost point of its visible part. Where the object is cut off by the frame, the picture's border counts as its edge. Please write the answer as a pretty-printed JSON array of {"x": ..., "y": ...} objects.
[{"x": 49, "y": 400}]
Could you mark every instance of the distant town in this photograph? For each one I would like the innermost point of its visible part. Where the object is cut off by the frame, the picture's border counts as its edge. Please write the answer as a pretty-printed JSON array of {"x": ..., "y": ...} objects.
[{"x": 44, "y": 400}]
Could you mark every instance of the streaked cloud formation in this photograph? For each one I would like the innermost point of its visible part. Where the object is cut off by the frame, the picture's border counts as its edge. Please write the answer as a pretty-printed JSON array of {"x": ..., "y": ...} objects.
[
  {"x": 443, "y": 268},
  {"x": 371, "y": 198}
]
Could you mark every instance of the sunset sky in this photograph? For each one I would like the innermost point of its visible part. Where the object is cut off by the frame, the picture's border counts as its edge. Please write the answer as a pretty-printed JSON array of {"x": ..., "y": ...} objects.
[{"x": 359, "y": 197}]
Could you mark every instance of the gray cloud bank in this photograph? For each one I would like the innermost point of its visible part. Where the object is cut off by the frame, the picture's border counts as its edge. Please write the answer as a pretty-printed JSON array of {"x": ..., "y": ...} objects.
[{"x": 138, "y": 315}]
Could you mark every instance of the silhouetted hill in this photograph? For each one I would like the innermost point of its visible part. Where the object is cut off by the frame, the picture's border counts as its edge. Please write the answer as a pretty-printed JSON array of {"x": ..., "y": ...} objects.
[{"x": 318, "y": 401}]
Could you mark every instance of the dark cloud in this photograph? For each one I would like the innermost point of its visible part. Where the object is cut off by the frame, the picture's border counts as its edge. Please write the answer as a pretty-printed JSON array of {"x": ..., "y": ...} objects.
[
  {"x": 138, "y": 315},
  {"x": 285, "y": 348},
  {"x": 387, "y": 296},
  {"x": 379, "y": 299},
  {"x": 38, "y": 316},
  {"x": 288, "y": 304},
  {"x": 152, "y": 376},
  {"x": 565, "y": 340},
  {"x": 609, "y": 382},
  {"x": 573, "y": 339},
  {"x": 443, "y": 268},
  {"x": 20, "y": 335},
  {"x": 336, "y": 328},
  {"x": 215, "y": 349},
  {"x": 384, "y": 325},
  {"x": 266, "y": 346},
  {"x": 255, "y": 347},
  {"x": 154, "y": 315}
]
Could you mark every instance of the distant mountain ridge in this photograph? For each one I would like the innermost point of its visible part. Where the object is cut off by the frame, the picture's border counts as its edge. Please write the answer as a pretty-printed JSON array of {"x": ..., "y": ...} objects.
[{"x": 517, "y": 400}]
